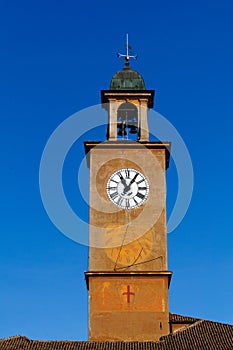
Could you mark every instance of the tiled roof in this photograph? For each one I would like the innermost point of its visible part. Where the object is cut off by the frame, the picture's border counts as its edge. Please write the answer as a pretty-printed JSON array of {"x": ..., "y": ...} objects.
[
  {"x": 201, "y": 335},
  {"x": 175, "y": 318}
]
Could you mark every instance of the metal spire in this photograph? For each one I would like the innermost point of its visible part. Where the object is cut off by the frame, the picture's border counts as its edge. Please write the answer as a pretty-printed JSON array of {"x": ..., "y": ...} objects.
[{"x": 127, "y": 56}]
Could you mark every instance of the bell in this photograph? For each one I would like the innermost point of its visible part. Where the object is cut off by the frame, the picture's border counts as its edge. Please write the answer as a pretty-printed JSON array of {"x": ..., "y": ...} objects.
[
  {"x": 122, "y": 132},
  {"x": 133, "y": 129}
]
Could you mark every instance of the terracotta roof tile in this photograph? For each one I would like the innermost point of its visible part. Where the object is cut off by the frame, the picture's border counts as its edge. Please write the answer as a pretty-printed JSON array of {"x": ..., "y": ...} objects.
[
  {"x": 175, "y": 318},
  {"x": 201, "y": 335}
]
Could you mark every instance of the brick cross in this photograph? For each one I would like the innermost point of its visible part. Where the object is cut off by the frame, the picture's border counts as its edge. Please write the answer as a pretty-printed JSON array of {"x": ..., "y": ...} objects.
[{"x": 128, "y": 293}]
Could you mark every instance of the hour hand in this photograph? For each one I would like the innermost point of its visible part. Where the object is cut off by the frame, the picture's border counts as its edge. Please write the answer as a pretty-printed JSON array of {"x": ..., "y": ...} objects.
[
  {"x": 126, "y": 189},
  {"x": 124, "y": 183}
]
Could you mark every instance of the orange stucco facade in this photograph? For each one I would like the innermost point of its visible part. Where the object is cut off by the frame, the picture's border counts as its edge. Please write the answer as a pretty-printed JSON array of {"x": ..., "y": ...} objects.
[{"x": 128, "y": 278}]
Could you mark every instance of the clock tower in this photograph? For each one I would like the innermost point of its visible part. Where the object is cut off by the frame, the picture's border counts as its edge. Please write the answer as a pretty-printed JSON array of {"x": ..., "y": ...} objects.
[{"x": 128, "y": 277}]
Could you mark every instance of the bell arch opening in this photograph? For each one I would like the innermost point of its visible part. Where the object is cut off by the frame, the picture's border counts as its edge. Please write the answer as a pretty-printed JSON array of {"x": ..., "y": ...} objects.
[{"x": 127, "y": 122}]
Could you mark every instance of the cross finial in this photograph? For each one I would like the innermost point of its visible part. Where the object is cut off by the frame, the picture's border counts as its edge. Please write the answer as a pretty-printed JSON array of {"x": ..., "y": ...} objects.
[{"x": 127, "y": 56}]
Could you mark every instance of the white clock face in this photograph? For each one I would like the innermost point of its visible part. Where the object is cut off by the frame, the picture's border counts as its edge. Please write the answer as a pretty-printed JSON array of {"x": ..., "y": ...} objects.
[{"x": 127, "y": 188}]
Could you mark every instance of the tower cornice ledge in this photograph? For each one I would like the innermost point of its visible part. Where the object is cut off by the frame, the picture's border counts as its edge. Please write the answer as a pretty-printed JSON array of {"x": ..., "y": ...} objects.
[
  {"x": 89, "y": 274},
  {"x": 106, "y": 95},
  {"x": 88, "y": 145}
]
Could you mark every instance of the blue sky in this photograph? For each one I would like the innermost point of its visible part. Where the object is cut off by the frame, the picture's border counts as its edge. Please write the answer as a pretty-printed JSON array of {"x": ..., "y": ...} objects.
[{"x": 55, "y": 58}]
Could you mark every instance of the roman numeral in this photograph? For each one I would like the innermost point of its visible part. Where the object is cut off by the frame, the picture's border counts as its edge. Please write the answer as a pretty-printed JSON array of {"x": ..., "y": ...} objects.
[
  {"x": 127, "y": 203},
  {"x": 112, "y": 187},
  {"x": 120, "y": 176},
  {"x": 115, "y": 181},
  {"x": 127, "y": 173},
  {"x": 142, "y": 188},
  {"x": 114, "y": 195},
  {"x": 138, "y": 182},
  {"x": 139, "y": 195},
  {"x": 119, "y": 201}
]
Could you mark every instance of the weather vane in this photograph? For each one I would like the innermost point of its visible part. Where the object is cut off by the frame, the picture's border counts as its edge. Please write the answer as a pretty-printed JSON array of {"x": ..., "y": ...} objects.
[{"x": 127, "y": 56}]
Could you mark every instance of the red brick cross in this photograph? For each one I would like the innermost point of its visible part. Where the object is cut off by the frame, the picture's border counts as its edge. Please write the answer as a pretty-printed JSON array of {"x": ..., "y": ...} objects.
[{"x": 128, "y": 293}]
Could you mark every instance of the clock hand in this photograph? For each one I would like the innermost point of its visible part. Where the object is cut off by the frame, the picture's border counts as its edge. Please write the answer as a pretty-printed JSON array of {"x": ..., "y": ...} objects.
[
  {"x": 133, "y": 180},
  {"x": 123, "y": 182},
  {"x": 122, "y": 179},
  {"x": 128, "y": 187}
]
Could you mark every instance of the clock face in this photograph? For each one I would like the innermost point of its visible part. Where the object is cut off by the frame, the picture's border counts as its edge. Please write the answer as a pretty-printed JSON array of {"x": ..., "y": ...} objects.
[{"x": 127, "y": 188}]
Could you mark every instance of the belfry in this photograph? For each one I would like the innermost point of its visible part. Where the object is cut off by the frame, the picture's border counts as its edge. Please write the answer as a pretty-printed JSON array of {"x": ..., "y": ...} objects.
[{"x": 128, "y": 277}]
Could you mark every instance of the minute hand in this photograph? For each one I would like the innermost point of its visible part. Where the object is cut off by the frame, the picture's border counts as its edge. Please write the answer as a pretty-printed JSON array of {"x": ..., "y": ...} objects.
[
  {"x": 133, "y": 180},
  {"x": 127, "y": 188}
]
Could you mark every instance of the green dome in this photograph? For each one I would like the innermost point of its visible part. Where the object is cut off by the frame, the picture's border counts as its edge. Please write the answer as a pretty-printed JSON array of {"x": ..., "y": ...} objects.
[{"x": 127, "y": 79}]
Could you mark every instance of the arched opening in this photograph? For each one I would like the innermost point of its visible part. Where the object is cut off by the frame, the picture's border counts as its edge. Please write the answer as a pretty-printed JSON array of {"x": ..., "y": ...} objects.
[{"x": 127, "y": 122}]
